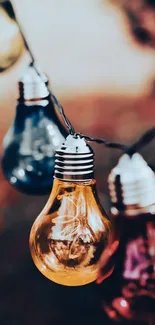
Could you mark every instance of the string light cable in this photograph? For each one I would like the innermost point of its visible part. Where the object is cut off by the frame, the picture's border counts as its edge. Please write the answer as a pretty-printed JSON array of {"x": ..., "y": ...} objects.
[{"x": 144, "y": 140}]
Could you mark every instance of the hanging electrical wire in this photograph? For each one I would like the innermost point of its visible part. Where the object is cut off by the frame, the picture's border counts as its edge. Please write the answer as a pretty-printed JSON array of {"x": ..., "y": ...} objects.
[{"x": 145, "y": 139}]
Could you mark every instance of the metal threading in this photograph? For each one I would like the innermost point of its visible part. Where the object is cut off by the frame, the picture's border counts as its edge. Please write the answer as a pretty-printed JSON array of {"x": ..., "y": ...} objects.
[
  {"x": 33, "y": 86},
  {"x": 132, "y": 187},
  {"x": 74, "y": 162}
]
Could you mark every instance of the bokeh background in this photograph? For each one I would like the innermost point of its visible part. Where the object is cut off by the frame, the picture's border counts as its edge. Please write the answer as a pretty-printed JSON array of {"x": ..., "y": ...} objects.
[{"x": 105, "y": 80}]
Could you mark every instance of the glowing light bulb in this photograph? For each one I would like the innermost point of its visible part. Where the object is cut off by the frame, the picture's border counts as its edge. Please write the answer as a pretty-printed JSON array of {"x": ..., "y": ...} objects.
[
  {"x": 68, "y": 236},
  {"x": 11, "y": 42},
  {"x": 132, "y": 284},
  {"x": 30, "y": 144}
]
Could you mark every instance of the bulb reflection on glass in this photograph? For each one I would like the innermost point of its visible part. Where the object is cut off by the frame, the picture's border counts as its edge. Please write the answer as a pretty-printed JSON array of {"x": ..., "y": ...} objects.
[
  {"x": 30, "y": 144},
  {"x": 69, "y": 235},
  {"x": 11, "y": 42}
]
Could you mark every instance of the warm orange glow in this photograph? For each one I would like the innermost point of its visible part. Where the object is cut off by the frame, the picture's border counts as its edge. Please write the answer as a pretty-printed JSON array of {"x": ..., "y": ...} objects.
[{"x": 69, "y": 235}]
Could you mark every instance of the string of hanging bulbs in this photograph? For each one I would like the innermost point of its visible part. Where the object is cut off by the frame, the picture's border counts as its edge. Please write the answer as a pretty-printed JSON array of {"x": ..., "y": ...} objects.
[
  {"x": 73, "y": 242},
  {"x": 144, "y": 140},
  {"x": 55, "y": 100}
]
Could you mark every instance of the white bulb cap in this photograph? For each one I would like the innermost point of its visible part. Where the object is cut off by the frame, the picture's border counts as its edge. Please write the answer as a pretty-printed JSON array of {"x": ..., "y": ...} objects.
[
  {"x": 33, "y": 85},
  {"x": 136, "y": 184}
]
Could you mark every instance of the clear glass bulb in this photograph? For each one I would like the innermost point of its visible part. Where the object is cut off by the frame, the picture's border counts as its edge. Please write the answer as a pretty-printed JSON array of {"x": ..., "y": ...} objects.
[
  {"x": 11, "y": 42},
  {"x": 30, "y": 144},
  {"x": 69, "y": 235}
]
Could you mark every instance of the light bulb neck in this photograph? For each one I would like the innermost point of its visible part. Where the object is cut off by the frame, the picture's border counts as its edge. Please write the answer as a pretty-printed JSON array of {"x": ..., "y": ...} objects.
[
  {"x": 132, "y": 187},
  {"x": 74, "y": 160},
  {"x": 33, "y": 86}
]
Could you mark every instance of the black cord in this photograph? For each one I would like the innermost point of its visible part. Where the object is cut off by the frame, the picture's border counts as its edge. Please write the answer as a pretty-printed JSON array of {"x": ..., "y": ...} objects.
[
  {"x": 61, "y": 111},
  {"x": 32, "y": 63},
  {"x": 105, "y": 142},
  {"x": 53, "y": 97},
  {"x": 143, "y": 141}
]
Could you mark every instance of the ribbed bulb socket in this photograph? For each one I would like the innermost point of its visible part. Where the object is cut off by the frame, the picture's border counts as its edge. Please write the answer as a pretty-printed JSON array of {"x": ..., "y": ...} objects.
[
  {"x": 132, "y": 186},
  {"x": 33, "y": 85},
  {"x": 74, "y": 160}
]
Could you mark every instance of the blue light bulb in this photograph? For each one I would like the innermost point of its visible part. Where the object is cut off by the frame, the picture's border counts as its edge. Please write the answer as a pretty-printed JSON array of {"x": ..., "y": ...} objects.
[{"x": 30, "y": 144}]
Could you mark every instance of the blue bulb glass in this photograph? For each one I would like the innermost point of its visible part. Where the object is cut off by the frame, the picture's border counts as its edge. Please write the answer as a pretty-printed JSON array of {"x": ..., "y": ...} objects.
[{"x": 29, "y": 147}]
